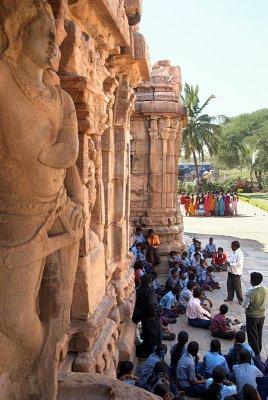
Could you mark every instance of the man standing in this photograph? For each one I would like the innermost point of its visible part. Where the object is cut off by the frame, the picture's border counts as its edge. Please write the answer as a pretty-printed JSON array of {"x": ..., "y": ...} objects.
[
  {"x": 254, "y": 304},
  {"x": 147, "y": 310},
  {"x": 235, "y": 269}
]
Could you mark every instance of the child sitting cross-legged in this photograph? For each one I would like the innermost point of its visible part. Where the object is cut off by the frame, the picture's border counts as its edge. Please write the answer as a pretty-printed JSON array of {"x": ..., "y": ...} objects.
[
  {"x": 125, "y": 373},
  {"x": 174, "y": 258},
  {"x": 244, "y": 372},
  {"x": 168, "y": 304},
  {"x": 219, "y": 326},
  {"x": 208, "y": 280},
  {"x": 177, "y": 350},
  {"x": 201, "y": 270},
  {"x": 218, "y": 387},
  {"x": 213, "y": 358},
  {"x": 184, "y": 261},
  {"x": 172, "y": 280},
  {"x": 186, "y": 294},
  {"x": 183, "y": 280},
  {"x": 239, "y": 344}
]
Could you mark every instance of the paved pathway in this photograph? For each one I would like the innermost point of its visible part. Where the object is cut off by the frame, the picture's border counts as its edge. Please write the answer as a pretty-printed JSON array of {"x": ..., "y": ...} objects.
[{"x": 250, "y": 229}]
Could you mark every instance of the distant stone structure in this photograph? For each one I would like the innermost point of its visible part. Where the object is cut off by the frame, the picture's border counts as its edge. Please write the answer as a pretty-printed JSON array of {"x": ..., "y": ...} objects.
[
  {"x": 156, "y": 137},
  {"x": 47, "y": 208}
]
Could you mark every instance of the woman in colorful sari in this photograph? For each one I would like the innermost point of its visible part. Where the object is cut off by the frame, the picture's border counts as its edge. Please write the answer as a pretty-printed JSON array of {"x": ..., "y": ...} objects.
[
  {"x": 222, "y": 204},
  {"x": 216, "y": 205},
  {"x": 196, "y": 204},
  {"x": 207, "y": 204},
  {"x": 212, "y": 203},
  {"x": 187, "y": 203},
  {"x": 192, "y": 206},
  {"x": 227, "y": 201},
  {"x": 201, "y": 210}
]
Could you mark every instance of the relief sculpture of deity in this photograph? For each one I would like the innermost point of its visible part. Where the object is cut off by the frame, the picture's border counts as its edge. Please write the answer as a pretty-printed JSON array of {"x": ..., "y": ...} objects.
[{"x": 41, "y": 211}]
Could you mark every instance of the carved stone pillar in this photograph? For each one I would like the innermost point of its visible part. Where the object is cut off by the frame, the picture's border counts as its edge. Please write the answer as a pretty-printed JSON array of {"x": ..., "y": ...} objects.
[{"x": 156, "y": 130}]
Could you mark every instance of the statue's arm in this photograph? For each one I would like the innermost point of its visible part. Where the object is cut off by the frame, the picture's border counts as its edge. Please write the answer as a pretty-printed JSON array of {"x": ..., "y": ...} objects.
[
  {"x": 64, "y": 152},
  {"x": 73, "y": 185}
]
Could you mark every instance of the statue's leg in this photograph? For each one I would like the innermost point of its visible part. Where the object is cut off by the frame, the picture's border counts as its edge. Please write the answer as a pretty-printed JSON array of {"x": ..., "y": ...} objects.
[{"x": 21, "y": 332}]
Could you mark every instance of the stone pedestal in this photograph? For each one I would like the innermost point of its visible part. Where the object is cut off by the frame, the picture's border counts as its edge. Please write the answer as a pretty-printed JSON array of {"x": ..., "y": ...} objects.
[{"x": 156, "y": 132}]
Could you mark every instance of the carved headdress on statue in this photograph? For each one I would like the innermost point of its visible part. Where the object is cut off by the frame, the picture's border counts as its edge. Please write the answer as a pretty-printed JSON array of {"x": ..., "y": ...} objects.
[{"x": 15, "y": 15}]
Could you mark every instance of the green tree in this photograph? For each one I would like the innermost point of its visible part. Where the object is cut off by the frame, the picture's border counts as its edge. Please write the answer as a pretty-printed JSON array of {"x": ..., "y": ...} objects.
[
  {"x": 202, "y": 132},
  {"x": 243, "y": 143}
]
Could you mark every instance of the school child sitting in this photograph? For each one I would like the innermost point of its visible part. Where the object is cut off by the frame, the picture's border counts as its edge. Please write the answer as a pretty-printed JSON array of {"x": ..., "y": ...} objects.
[
  {"x": 168, "y": 303},
  {"x": 192, "y": 247},
  {"x": 174, "y": 258},
  {"x": 208, "y": 280},
  {"x": 213, "y": 358},
  {"x": 218, "y": 261},
  {"x": 177, "y": 350},
  {"x": 147, "y": 367},
  {"x": 244, "y": 372},
  {"x": 153, "y": 243},
  {"x": 139, "y": 238},
  {"x": 195, "y": 261},
  {"x": 188, "y": 379},
  {"x": 220, "y": 327},
  {"x": 163, "y": 392},
  {"x": 172, "y": 281},
  {"x": 125, "y": 373},
  {"x": 201, "y": 270},
  {"x": 156, "y": 285},
  {"x": 186, "y": 294},
  {"x": 158, "y": 376},
  {"x": 218, "y": 387},
  {"x": 183, "y": 279},
  {"x": 184, "y": 262},
  {"x": 176, "y": 267},
  {"x": 239, "y": 344},
  {"x": 140, "y": 256},
  {"x": 210, "y": 249}
]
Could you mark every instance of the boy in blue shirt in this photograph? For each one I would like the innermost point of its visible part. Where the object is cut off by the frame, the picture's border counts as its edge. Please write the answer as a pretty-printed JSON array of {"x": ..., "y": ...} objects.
[{"x": 168, "y": 303}]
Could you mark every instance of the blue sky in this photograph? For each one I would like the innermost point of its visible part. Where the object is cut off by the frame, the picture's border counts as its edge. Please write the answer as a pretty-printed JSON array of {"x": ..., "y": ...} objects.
[{"x": 220, "y": 44}]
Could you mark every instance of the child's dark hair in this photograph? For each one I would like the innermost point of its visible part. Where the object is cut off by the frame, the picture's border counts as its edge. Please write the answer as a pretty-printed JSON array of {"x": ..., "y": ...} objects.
[
  {"x": 191, "y": 285},
  {"x": 155, "y": 274},
  {"x": 177, "y": 351},
  {"x": 215, "y": 346},
  {"x": 214, "y": 390},
  {"x": 138, "y": 245},
  {"x": 159, "y": 368},
  {"x": 209, "y": 269},
  {"x": 184, "y": 253},
  {"x": 173, "y": 271},
  {"x": 191, "y": 276},
  {"x": 244, "y": 356},
  {"x": 160, "y": 390},
  {"x": 203, "y": 262},
  {"x": 176, "y": 290},
  {"x": 150, "y": 231},
  {"x": 173, "y": 253},
  {"x": 138, "y": 229},
  {"x": 197, "y": 292},
  {"x": 193, "y": 348},
  {"x": 125, "y": 368},
  {"x": 256, "y": 278},
  {"x": 240, "y": 336},
  {"x": 220, "y": 248},
  {"x": 138, "y": 265},
  {"x": 224, "y": 309},
  {"x": 182, "y": 272},
  {"x": 249, "y": 392}
]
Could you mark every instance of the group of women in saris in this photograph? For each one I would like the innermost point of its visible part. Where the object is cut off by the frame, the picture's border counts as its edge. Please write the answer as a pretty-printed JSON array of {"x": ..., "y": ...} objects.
[{"x": 210, "y": 204}]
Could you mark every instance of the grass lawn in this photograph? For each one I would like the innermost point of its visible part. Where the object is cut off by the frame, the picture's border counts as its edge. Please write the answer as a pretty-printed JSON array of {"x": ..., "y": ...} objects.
[{"x": 257, "y": 199}]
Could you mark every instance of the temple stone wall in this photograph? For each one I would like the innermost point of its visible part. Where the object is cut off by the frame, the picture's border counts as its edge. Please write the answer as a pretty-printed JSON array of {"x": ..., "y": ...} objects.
[
  {"x": 156, "y": 136},
  {"x": 103, "y": 58}
]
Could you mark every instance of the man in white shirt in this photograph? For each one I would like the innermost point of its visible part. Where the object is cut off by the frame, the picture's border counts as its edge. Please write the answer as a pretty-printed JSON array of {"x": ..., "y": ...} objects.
[
  {"x": 235, "y": 265},
  {"x": 197, "y": 315}
]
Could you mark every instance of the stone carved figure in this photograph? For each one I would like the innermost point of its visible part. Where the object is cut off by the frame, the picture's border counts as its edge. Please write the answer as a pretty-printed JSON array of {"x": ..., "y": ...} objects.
[
  {"x": 41, "y": 212},
  {"x": 91, "y": 184}
]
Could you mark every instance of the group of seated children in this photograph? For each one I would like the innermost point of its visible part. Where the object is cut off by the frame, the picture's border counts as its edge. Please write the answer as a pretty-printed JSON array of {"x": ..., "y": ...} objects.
[
  {"x": 236, "y": 375},
  {"x": 145, "y": 247}
]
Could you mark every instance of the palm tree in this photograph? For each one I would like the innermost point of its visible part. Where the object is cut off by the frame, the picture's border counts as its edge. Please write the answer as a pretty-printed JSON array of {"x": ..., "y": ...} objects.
[{"x": 202, "y": 132}]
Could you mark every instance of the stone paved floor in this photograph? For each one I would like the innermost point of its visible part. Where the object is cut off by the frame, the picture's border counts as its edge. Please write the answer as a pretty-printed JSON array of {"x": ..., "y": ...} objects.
[{"x": 250, "y": 229}]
